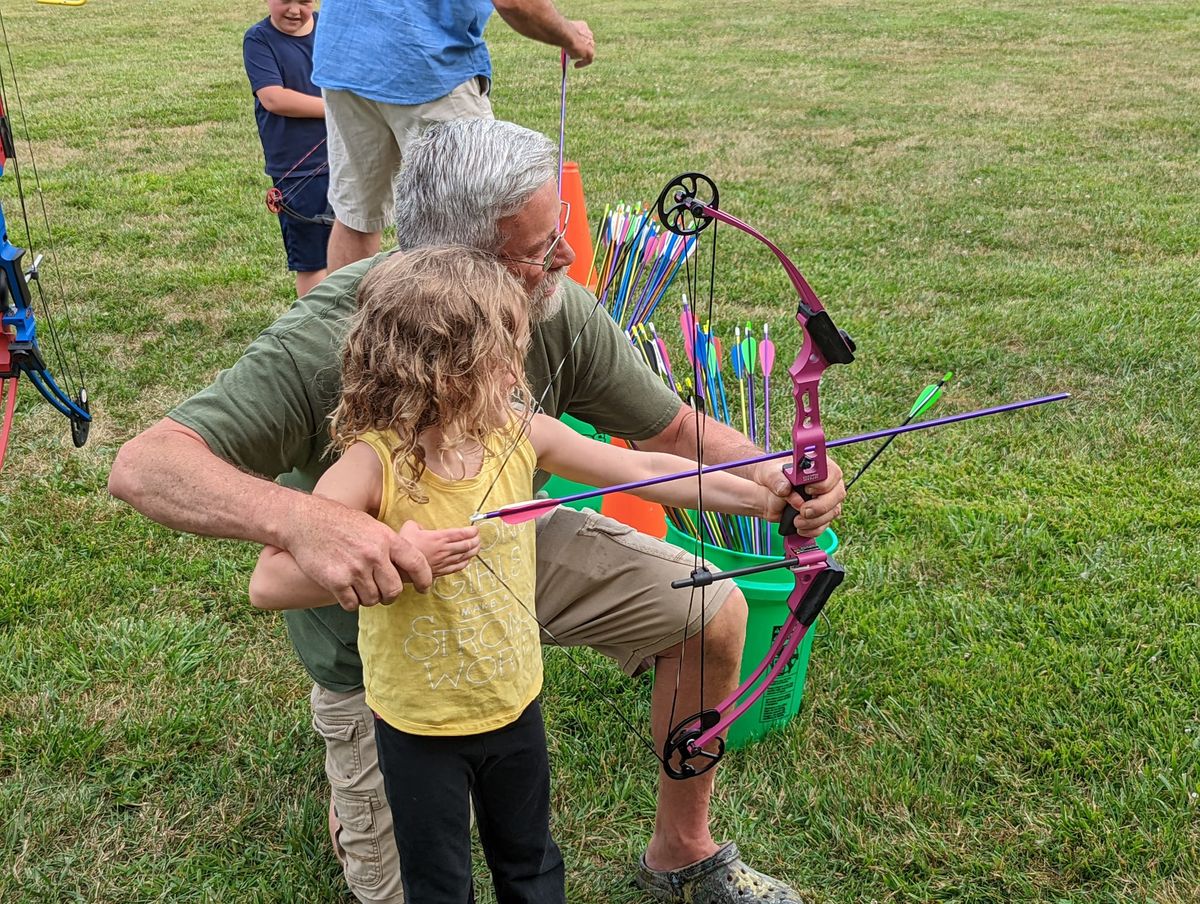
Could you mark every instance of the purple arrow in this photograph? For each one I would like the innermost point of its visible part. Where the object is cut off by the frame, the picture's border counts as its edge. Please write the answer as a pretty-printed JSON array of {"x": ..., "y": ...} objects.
[{"x": 524, "y": 511}]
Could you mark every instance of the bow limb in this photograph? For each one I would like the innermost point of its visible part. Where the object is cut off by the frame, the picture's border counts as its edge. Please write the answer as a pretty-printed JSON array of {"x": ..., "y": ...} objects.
[{"x": 277, "y": 203}]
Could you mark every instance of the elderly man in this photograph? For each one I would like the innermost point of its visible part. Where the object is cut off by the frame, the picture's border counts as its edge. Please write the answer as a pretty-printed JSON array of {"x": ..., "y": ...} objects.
[{"x": 488, "y": 185}]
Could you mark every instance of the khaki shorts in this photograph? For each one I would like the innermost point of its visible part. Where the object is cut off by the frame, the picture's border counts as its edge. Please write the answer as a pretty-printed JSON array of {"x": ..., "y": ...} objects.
[
  {"x": 599, "y": 584},
  {"x": 366, "y": 138},
  {"x": 603, "y": 585}
]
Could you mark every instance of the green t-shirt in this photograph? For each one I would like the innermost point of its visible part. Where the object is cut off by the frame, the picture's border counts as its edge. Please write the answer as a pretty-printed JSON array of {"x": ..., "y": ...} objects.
[{"x": 268, "y": 414}]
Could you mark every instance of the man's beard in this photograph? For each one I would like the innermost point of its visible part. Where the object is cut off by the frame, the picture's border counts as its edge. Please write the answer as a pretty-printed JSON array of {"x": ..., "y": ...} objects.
[{"x": 547, "y": 298}]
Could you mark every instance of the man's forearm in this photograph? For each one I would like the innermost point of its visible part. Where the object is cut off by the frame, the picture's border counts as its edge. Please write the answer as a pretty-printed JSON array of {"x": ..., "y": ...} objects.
[
  {"x": 817, "y": 509},
  {"x": 171, "y": 476},
  {"x": 536, "y": 19},
  {"x": 720, "y": 441}
]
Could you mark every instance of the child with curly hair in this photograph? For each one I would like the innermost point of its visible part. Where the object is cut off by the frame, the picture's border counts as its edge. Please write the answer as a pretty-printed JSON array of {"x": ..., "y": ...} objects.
[{"x": 435, "y": 418}]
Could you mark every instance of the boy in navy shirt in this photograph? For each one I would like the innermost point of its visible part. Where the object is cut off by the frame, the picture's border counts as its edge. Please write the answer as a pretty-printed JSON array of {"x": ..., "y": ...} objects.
[{"x": 278, "y": 53}]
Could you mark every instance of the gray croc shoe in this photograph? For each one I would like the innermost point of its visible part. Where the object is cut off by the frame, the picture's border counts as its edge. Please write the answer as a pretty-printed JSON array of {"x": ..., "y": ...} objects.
[{"x": 720, "y": 879}]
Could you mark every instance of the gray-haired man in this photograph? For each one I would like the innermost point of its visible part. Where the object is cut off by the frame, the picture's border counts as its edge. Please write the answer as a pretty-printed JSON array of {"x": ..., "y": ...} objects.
[{"x": 489, "y": 185}]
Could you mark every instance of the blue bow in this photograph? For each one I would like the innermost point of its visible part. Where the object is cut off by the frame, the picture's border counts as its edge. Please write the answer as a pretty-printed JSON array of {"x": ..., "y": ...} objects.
[{"x": 20, "y": 353}]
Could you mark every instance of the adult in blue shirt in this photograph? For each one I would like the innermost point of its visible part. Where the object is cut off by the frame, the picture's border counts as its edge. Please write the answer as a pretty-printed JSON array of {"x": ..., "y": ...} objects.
[{"x": 387, "y": 70}]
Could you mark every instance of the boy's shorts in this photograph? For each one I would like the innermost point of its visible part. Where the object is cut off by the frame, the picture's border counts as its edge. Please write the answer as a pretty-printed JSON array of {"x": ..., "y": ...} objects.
[
  {"x": 305, "y": 243},
  {"x": 366, "y": 138}
]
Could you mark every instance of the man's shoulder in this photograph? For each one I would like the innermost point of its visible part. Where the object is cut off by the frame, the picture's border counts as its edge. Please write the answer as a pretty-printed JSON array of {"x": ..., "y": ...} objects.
[
  {"x": 327, "y": 308},
  {"x": 578, "y": 307},
  {"x": 576, "y": 297}
]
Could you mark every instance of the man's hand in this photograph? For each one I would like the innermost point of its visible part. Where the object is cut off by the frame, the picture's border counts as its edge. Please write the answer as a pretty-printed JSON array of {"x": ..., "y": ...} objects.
[
  {"x": 815, "y": 514},
  {"x": 359, "y": 560},
  {"x": 447, "y": 550},
  {"x": 580, "y": 44}
]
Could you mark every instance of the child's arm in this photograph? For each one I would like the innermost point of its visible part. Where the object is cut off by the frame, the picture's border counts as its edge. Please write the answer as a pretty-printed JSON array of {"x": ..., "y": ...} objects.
[
  {"x": 562, "y": 451},
  {"x": 266, "y": 81},
  {"x": 356, "y": 481},
  {"x": 286, "y": 102}
]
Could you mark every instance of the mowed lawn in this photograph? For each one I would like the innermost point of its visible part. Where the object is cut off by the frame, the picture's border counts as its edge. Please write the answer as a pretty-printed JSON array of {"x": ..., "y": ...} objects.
[{"x": 1004, "y": 697}]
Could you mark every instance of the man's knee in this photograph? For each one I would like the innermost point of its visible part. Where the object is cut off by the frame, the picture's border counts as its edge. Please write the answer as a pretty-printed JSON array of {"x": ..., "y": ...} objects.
[{"x": 725, "y": 635}]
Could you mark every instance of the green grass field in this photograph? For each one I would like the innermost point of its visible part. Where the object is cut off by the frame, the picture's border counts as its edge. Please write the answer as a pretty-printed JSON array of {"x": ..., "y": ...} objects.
[{"x": 1004, "y": 704}]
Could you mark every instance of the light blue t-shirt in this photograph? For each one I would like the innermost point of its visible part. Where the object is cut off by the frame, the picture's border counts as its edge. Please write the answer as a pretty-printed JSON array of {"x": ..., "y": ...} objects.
[{"x": 401, "y": 51}]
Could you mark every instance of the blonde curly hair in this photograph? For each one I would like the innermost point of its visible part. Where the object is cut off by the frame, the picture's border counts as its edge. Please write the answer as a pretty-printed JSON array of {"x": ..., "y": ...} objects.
[{"x": 436, "y": 332}]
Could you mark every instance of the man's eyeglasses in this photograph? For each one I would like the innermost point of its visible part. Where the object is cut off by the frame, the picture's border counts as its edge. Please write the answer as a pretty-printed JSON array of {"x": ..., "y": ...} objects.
[{"x": 547, "y": 262}]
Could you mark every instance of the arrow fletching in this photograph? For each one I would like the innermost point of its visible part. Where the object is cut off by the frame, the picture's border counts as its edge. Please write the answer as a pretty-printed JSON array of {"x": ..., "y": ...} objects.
[
  {"x": 766, "y": 352},
  {"x": 929, "y": 397},
  {"x": 520, "y": 512}
]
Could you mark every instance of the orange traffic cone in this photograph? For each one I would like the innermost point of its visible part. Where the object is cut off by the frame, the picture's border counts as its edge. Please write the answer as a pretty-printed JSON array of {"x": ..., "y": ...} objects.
[
  {"x": 637, "y": 513},
  {"x": 579, "y": 235}
]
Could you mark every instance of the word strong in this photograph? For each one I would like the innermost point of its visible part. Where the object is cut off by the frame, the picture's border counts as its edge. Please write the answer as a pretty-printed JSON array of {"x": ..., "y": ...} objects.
[{"x": 487, "y": 632}]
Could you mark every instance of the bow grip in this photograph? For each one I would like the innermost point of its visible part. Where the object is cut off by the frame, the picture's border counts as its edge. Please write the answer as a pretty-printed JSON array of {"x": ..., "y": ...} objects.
[{"x": 787, "y": 521}]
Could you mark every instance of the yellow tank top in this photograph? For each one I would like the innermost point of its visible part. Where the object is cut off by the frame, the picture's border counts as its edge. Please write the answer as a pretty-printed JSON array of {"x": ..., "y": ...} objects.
[{"x": 466, "y": 657}]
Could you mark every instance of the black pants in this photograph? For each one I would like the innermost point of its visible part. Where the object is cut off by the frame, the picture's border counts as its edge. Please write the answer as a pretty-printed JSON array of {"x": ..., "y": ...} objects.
[{"x": 506, "y": 773}]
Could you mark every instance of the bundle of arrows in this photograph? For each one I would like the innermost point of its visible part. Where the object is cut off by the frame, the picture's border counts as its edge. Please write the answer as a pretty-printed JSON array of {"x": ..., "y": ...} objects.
[
  {"x": 635, "y": 261},
  {"x": 734, "y": 389}
]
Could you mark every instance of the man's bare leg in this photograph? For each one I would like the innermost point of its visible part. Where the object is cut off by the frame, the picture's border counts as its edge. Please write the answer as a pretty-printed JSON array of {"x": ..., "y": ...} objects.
[
  {"x": 681, "y": 832},
  {"x": 348, "y": 245},
  {"x": 334, "y": 827}
]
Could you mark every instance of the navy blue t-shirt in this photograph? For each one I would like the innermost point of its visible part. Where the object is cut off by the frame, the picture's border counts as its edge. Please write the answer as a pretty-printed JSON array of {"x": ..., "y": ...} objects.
[{"x": 274, "y": 58}]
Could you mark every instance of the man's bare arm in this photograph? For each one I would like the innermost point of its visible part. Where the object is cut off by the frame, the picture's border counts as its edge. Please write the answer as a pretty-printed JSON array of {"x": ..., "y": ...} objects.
[
  {"x": 541, "y": 21},
  {"x": 169, "y": 474}
]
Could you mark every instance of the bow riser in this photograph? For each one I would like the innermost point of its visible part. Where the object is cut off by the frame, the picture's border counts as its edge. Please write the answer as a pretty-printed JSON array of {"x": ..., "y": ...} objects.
[
  {"x": 809, "y": 463},
  {"x": 17, "y": 334}
]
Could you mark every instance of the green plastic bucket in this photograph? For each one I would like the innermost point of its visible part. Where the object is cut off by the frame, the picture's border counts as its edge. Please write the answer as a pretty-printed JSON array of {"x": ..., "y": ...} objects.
[{"x": 766, "y": 597}]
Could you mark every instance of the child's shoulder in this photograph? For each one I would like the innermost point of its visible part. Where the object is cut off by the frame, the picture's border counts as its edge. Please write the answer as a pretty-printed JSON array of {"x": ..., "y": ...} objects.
[{"x": 259, "y": 28}]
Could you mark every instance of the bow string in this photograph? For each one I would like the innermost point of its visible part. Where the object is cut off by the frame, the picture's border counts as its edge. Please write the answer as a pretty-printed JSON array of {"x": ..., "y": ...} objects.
[{"x": 279, "y": 202}]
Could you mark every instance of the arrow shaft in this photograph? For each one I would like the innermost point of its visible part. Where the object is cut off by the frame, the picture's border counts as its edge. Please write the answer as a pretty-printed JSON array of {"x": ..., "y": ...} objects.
[{"x": 777, "y": 456}]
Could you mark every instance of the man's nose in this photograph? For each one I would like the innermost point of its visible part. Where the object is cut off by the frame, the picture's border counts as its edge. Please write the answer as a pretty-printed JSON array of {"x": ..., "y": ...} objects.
[{"x": 564, "y": 255}]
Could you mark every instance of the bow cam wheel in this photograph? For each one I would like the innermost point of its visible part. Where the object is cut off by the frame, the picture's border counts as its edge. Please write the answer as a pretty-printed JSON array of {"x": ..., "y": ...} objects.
[
  {"x": 682, "y": 203},
  {"x": 682, "y": 758}
]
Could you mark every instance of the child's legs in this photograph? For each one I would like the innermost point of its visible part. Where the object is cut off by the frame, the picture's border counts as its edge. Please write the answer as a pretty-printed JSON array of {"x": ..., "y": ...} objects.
[
  {"x": 428, "y": 782},
  {"x": 305, "y": 242},
  {"x": 512, "y": 813}
]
